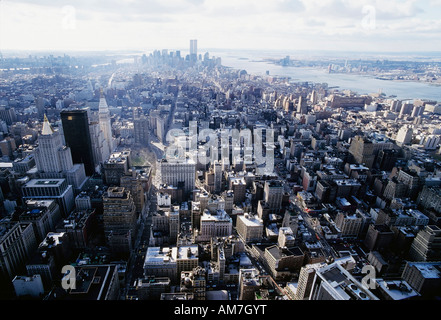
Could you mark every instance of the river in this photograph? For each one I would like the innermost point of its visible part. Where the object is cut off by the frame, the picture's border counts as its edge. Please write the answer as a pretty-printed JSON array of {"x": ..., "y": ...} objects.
[{"x": 253, "y": 63}]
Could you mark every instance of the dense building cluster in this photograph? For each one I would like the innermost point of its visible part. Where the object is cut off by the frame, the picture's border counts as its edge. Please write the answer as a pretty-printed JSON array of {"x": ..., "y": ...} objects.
[{"x": 176, "y": 178}]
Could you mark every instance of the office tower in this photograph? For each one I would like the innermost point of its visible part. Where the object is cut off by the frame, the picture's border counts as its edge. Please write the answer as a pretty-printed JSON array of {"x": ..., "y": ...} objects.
[
  {"x": 56, "y": 189},
  {"x": 52, "y": 155},
  {"x": 282, "y": 261},
  {"x": 17, "y": 243},
  {"x": 406, "y": 108},
  {"x": 116, "y": 166},
  {"x": 306, "y": 279},
  {"x": 133, "y": 183},
  {"x": 426, "y": 246},
  {"x": 7, "y": 146},
  {"x": 430, "y": 142},
  {"x": 193, "y": 50},
  {"x": 263, "y": 210},
  {"x": 302, "y": 106},
  {"x": 83, "y": 201},
  {"x": 209, "y": 181},
  {"x": 404, "y": 135},
  {"x": 286, "y": 237},
  {"x": 395, "y": 105},
  {"x": 141, "y": 127},
  {"x": 273, "y": 193},
  {"x": 424, "y": 277},
  {"x": 161, "y": 126},
  {"x": 181, "y": 174},
  {"x": 344, "y": 134},
  {"x": 219, "y": 224},
  {"x": 378, "y": 237},
  {"x": 417, "y": 111},
  {"x": 164, "y": 227},
  {"x": 174, "y": 226},
  {"x": 105, "y": 126},
  {"x": 364, "y": 151},
  {"x": 8, "y": 115},
  {"x": 159, "y": 228},
  {"x": 290, "y": 220},
  {"x": 43, "y": 214},
  {"x": 217, "y": 176},
  {"x": 119, "y": 219},
  {"x": 40, "y": 104},
  {"x": 349, "y": 224},
  {"x": 430, "y": 198},
  {"x": 386, "y": 159},
  {"x": 314, "y": 97},
  {"x": 238, "y": 186},
  {"x": 77, "y": 136},
  {"x": 228, "y": 197},
  {"x": 249, "y": 228},
  {"x": 98, "y": 143}
]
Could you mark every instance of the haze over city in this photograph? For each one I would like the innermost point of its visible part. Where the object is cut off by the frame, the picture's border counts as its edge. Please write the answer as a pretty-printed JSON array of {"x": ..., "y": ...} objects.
[{"x": 398, "y": 25}]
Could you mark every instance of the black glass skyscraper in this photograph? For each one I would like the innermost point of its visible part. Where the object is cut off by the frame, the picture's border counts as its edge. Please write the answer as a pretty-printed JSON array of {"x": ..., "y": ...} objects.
[{"x": 77, "y": 136}]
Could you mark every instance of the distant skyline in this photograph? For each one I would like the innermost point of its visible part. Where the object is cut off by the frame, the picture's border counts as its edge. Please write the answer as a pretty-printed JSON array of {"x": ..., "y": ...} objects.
[{"x": 364, "y": 25}]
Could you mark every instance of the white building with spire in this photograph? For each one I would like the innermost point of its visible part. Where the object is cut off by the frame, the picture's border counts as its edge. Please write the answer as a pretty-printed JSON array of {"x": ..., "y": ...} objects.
[
  {"x": 54, "y": 159},
  {"x": 52, "y": 155},
  {"x": 106, "y": 127}
]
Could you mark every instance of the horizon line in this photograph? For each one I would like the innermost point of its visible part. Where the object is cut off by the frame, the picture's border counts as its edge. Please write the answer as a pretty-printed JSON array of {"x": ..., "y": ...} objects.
[{"x": 138, "y": 50}]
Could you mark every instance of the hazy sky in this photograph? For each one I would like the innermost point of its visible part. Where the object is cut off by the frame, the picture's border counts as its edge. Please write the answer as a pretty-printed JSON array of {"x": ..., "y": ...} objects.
[{"x": 364, "y": 25}]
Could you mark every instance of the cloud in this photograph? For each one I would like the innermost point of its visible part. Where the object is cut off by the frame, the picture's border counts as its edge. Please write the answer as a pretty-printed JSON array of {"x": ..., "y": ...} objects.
[
  {"x": 227, "y": 23},
  {"x": 290, "y": 6},
  {"x": 126, "y": 8}
]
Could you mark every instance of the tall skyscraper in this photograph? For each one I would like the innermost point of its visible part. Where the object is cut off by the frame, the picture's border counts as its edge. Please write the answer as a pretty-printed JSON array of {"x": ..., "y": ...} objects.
[
  {"x": 273, "y": 193},
  {"x": 52, "y": 155},
  {"x": 364, "y": 150},
  {"x": 217, "y": 176},
  {"x": 77, "y": 137},
  {"x": 404, "y": 135},
  {"x": 8, "y": 115},
  {"x": 17, "y": 242},
  {"x": 119, "y": 219},
  {"x": 193, "y": 50},
  {"x": 106, "y": 127},
  {"x": 141, "y": 127},
  {"x": 98, "y": 143},
  {"x": 427, "y": 245},
  {"x": 302, "y": 106}
]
